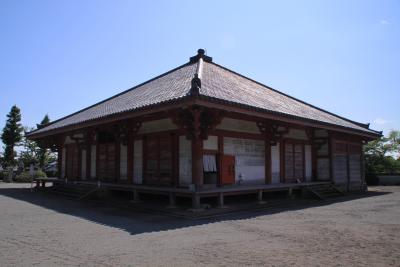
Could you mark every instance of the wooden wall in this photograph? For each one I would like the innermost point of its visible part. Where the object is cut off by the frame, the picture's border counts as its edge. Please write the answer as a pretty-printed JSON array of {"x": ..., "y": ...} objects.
[{"x": 258, "y": 159}]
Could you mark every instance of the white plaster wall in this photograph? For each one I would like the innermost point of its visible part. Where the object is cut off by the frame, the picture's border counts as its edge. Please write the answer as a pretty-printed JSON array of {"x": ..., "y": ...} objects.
[
  {"x": 238, "y": 126},
  {"x": 83, "y": 165},
  {"x": 138, "y": 162},
  {"x": 157, "y": 126},
  {"x": 340, "y": 168},
  {"x": 63, "y": 162},
  {"x": 211, "y": 143},
  {"x": 250, "y": 159},
  {"x": 123, "y": 165},
  {"x": 297, "y": 134},
  {"x": 93, "y": 162},
  {"x": 185, "y": 161},
  {"x": 275, "y": 164},
  {"x": 355, "y": 167},
  {"x": 308, "y": 162}
]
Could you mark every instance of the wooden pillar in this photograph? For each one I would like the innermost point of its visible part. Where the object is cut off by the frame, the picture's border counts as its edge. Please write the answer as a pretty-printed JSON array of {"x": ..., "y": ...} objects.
[
  {"x": 175, "y": 159},
  {"x": 260, "y": 197},
  {"x": 172, "y": 201},
  {"x": 362, "y": 170},
  {"x": 348, "y": 165},
  {"x": 79, "y": 149},
  {"x": 196, "y": 201},
  {"x": 197, "y": 150},
  {"x": 88, "y": 161},
  {"x": 220, "y": 155},
  {"x": 197, "y": 162},
  {"x": 117, "y": 159},
  {"x": 268, "y": 167},
  {"x": 314, "y": 161},
  {"x": 282, "y": 160},
  {"x": 221, "y": 200},
  {"x": 330, "y": 153},
  {"x": 59, "y": 161},
  {"x": 130, "y": 151},
  {"x": 136, "y": 197}
]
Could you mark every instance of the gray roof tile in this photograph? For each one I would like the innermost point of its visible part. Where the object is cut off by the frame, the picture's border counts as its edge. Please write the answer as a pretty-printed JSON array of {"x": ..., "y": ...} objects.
[{"x": 217, "y": 82}]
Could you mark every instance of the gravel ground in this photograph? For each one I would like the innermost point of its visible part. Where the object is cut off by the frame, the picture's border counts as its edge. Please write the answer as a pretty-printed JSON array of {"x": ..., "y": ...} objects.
[{"x": 43, "y": 230}]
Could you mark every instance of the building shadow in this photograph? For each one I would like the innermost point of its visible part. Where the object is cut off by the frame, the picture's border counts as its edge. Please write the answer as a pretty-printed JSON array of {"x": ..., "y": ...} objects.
[{"x": 138, "y": 221}]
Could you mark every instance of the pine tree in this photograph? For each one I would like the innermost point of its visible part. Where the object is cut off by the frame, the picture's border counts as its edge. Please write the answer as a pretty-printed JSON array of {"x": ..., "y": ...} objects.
[
  {"x": 12, "y": 134},
  {"x": 45, "y": 121},
  {"x": 43, "y": 154}
]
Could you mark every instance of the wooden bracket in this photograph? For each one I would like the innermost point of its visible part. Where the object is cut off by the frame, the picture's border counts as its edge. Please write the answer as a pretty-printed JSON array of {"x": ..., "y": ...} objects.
[{"x": 197, "y": 122}]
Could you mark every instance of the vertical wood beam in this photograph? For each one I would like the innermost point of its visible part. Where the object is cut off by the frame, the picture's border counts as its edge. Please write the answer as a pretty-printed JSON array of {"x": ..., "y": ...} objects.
[
  {"x": 144, "y": 161},
  {"x": 314, "y": 161},
  {"x": 197, "y": 150},
  {"x": 60, "y": 160},
  {"x": 197, "y": 162},
  {"x": 79, "y": 174},
  {"x": 330, "y": 153},
  {"x": 97, "y": 161},
  {"x": 348, "y": 165},
  {"x": 268, "y": 161},
  {"x": 175, "y": 159},
  {"x": 282, "y": 160},
  {"x": 88, "y": 160},
  {"x": 220, "y": 155},
  {"x": 117, "y": 160},
  {"x": 362, "y": 170},
  {"x": 130, "y": 151},
  {"x": 303, "y": 146}
]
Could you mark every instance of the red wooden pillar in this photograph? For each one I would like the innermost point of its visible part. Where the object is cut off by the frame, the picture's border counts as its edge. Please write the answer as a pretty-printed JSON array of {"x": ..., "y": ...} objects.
[
  {"x": 130, "y": 151},
  {"x": 88, "y": 160},
  {"x": 282, "y": 160},
  {"x": 220, "y": 156},
  {"x": 268, "y": 167},
  {"x": 197, "y": 162},
  {"x": 197, "y": 150}
]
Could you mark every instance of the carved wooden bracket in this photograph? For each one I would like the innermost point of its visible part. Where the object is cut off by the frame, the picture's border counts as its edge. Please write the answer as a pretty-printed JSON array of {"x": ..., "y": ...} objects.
[
  {"x": 272, "y": 130},
  {"x": 197, "y": 122},
  {"x": 128, "y": 129}
]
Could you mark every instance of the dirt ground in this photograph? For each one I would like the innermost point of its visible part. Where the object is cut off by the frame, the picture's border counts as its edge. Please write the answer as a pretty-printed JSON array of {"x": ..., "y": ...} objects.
[{"x": 44, "y": 230}]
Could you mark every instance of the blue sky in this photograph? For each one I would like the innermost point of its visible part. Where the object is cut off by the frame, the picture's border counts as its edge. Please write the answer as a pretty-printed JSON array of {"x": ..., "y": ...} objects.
[{"x": 57, "y": 57}]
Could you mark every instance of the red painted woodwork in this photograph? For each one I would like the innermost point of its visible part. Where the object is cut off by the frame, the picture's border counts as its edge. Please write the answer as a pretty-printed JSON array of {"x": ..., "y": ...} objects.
[
  {"x": 106, "y": 162},
  {"x": 228, "y": 169},
  {"x": 197, "y": 162},
  {"x": 294, "y": 162},
  {"x": 72, "y": 162},
  {"x": 159, "y": 160}
]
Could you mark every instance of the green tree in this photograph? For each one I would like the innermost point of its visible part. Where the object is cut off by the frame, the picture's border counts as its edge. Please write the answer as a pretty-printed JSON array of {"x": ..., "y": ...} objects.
[
  {"x": 30, "y": 152},
  {"x": 380, "y": 155},
  {"x": 43, "y": 152},
  {"x": 11, "y": 135}
]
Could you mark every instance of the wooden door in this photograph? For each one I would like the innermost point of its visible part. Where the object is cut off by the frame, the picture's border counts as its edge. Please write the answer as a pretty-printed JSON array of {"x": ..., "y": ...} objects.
[
  {"x": 228, "y": 169},
  {"x": 165, "y": 161},
  {"x": 72, "y": 160},
  {"x": 151, "y": 170},
  {"x": 158, "y": 161},
  {"x": 294, "y": 162},
  {"x": 106, "y": 162}
]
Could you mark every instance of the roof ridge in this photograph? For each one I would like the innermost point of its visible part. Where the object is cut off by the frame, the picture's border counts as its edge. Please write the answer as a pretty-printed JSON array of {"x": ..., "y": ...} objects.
[
  {"x": 196, "y": 81},
  {"x": 363, "y": 125}
]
